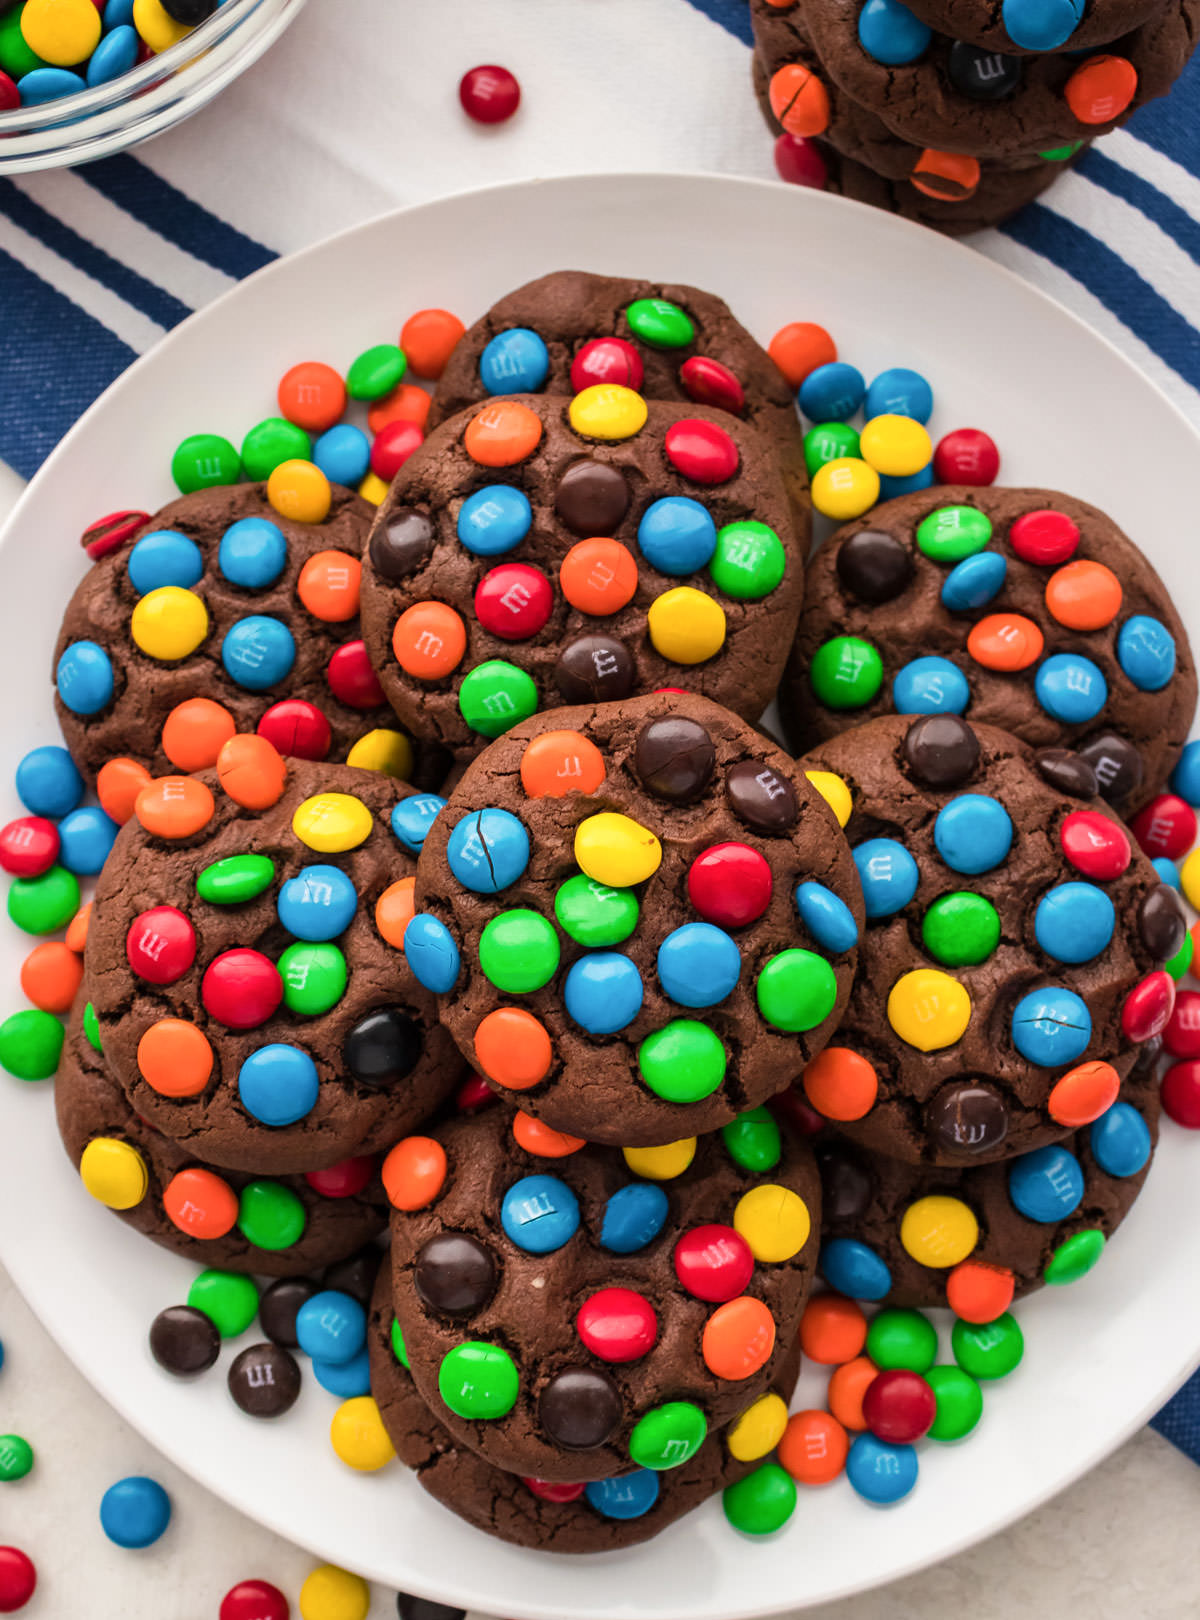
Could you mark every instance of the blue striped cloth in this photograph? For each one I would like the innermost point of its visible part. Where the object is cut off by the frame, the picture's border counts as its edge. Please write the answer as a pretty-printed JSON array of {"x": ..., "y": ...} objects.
[{"x": 95, "y": 265}]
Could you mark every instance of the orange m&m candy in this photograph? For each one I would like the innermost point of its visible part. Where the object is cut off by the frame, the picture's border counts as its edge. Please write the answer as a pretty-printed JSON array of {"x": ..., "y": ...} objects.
[
  {"x": 428, "y": 339},
  {"x": 405, "y": 403},
  {"x": 948, "y": 176},
  {"x": 541, "y": 1140},
  {"x": 394, "y": 910},
  {"x": 1005, "y": 641},
  {"x": 77, "y": 929},
  {"x": 833, "y": 1329},
  {"x": 50, "y": 976},
  {"x": 800, "y": 347},
  {"x": 840, "y": 1084},
  {"x": 1083, "y": 1094},
  {"x": 738, "y": 1338},
  {"x": 799, "y": 100},
  {"x": 502, "y": 434},
  {"x": 814, "y": 1446},
  {"x": 174, "y": 1058},
  {"x": 118, "y": 783},
  {"x": 328, "y": 586},
  {"x": 200, "y": 1203},
  {"x": 174, "y": 806},
  {"x": 1101, "y": 88},
  {"x": 312, "y": 395},
  {"x": 561, "y": 762},
  {"x": 846, "y": 1390},
  {"x": 252, "y": 771},
  {"x": 978, "y": 1292},
  {"x": 513, "y": 1048},
  {"x": 414, "y": 1172},
  {"x": 598, "y": 576},
  {"x": 194, "y": 733},
  {"x": 429, "y": 640},
  {"x": 1084, "y": 595}
]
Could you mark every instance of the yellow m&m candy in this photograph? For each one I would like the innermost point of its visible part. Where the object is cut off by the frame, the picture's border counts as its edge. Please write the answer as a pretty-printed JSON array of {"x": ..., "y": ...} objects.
[
  {"x": 1189, "y": 879},
  {"x": 835, "y": 793},
  {"x": 373, "y": 489},
  {"x": 661, "y": 1163},
  {"x": 300, "y": 490},
  {"x": 759, "y": 1429},
  {"x": 330, "y": 1593},
  {"x": 845, "y": 488},
  {"x": 332, "y": 822},
  {"x": 774, "y": 1221},
  {"x": 114, "y": 1172},
  {"x": 928, "y": 1009},
  {"x": 358, "y": 1436},
  {"x": 62, "y": 32},
  {"x": 156, "y": 26},
  {"x": 895, "y": 446},
  {"x": 939, "y": 1231},
  {"x": 169, "y": 623},
  {"x": 616, "y": 850},
  {"x": 607, "y": 411},
  {"x": 383, "y": 750},
  {"x": 685, "y": 625}
]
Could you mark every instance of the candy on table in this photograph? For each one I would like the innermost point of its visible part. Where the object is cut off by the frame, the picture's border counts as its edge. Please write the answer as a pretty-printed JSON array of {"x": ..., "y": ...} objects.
[
  {"x": 135, "y": 1512},
  {"x": 330, "y": 1593},
  {"x": 16, "y": 1457},
  {"x": 18, "y": 1579},
  {"x": 254, "y": 1600},
  {"x": 489, "y": 94}
]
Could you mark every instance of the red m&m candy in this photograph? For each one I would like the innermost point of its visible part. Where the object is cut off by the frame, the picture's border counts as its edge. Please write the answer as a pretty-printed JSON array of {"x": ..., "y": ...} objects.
[
  {"x": 799, "y": 162},
  {"x": 1181, "y": 1094},
  {"x": 730, "y": 885},
  {"x": 1148, "y": 1006},
  {"x": 607, "y": 360},
  {"x": 899, "y": 1407},
  {"x": 1181, "y": 1037},
  {"x": 714, "y": 1263},
  {"x": 1166, "y": 826},
  {"x": 966, "y": 456},
  {"x": 18, "y": 1578},
  {"x": 514, "y": 601},
  {"x": 393, "y": 445},
  {"x": 351, "y": 678},
  {"x": 548, "y": 1491},
  {"x": 344, "y": 1180},
  {"x": 253, "y": 1600},
  {"x": 708, "y": 382},
  {"x": 241, "y": 988},
  {"x": 297, "y": 729},
  {"x": 1094, "y": 845},
  {"x": 109, "y": 534},
  {"x": 28, "y": 846},
  {"x": 489, "y": 94},
  {"x": 1044, "y": 537},
  {"x": 701, "y": 451},
  {"x": 617, "y": 1325},
  {"x": 160, "y": 945}
]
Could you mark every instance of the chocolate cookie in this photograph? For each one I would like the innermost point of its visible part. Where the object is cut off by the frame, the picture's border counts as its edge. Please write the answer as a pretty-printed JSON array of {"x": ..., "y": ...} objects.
[
  {"x": 1028, "y": 27},
  {"x": 997, "y": 195},
  {"x": 275, "y": 1227},
  {"x": 244, "y": 959},
  {"x": 1013, "y": 955},
  {"x": 570, "y": 1312},
  {"x": 639, "y": 916},
  {"x": 600, "y": 1516},
  {"x": 1024, "y": 608},
  {"x": 544, "y": 551},
  {"x": 569, "y": 330},
  {"x": 916, "y": 1235},
  {"x": 224, "y": 616}
]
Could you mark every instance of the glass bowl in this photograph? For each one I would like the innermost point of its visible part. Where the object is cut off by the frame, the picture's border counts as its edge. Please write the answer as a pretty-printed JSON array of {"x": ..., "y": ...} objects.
[{"x": 149, "y": 98}]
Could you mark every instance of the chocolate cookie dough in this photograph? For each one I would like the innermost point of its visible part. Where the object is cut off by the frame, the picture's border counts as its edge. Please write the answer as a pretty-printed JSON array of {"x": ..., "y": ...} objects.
[
  {"x": 640, "y": 917},
  {"x": 542, "y": 551},
  {"x": 244, "y": 960},
  {"x": 1024, "y": 608},
  {"x": 272, "y": 1226},
  {"x": 1036, "y": 25},
  {"x": 224, "y": 616},
  {"x": 998, "y": 194},
  {"x": 600, "y": 1516},
  {"x": 1013, "y": 957},
  {"x": 570, "y": 1311}
]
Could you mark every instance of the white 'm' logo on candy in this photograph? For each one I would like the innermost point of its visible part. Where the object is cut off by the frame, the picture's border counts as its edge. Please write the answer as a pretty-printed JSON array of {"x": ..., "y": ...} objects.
[
  {"x": 516, "y": 597},
  {"x": 429, "y": 644}
]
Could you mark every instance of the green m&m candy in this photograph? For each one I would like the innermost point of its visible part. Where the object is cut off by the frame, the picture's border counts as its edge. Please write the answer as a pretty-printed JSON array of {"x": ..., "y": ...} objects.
[
  {"x": 829, "y": 441},
  {"x": 205, "y": 461},
  {"x": 594, "y": 915},
  {"x": 518, "y": 951},
  {"x": 229, "y": 1301},
  {"x": 661, "y": 324},
  {"x": 270, "y": 1215},
  {"x": 902, "y": 1338},
  {"x": 959, "y": 1402},
  {"x": 960, "y": 929},
  {"x": 796, "y": 990},
  {"x": 399, "y": 1348},
  {"x": 495, "y": 695},
  {"x": 31, "y": 1044},
  {"x": 16, "y": 57},
  {"x": 846, "y": 673},
  {"x": 1182, "y": 960},
  {"x": 16, "y": 1457},
  {"x": 1060, "y": 154},
  {"x": 314, "y": 978},
  {"x": 272, "y": 442},
  {"x": 40, "y": 905},
  {"x": 682, "y": 1062},
  {"x": 1074, "y": 1258},
  {"x": 953, "y": 532},
  {"x": 376, "y": 371},
  {"x": 749, "y": 561},
  {"x": 235, "y": 879},
  {"x": 91, "y": 1027},
  {"x": 761, "y": 1503},
  {"x": 753, "y": 1140},
  {"x": 989, "y": 1349},
  {"x": 668, "y": 1436},
  {"x": 478, "y": 1380}
]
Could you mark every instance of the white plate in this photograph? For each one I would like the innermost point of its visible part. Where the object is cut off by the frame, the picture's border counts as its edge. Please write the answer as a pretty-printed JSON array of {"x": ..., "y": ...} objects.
[{"x": 1067, "y": 411}]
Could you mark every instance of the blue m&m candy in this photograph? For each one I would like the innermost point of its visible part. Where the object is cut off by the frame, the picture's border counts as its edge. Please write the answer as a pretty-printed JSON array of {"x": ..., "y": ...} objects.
[
  {"x": 86, "y": 836},
  {"x": 258, "y": 652},
  {"x": 494, "y": 520},
  {"x": 84, "y": 677},
  {"x": 974, "y": 582},
  {"x": 676, "y": 535},
  {"x": 973, "y": 833},
  {"x": 540, "y": 1214},
  {"x": 633, "y": 1217},
  {"x": 116, "y": 53},
  {"x": 930, "y": 686},
  {"x": 1167, "y": 871},
  {"x": 898, "y": 391},
  {"x": 431, "y": 953},
  {"x": 888, "y": 873},
  {"x": 603, "y": 992},
  {"x": 48, "y": 84},
  {"x": 880, "y": 1472},
  {"x": 345, "y": 1379},
  {"x": 698, "y": 965},
  {"x": 832, "y": 392},
  {"x": 827, "y": 917},
  {"x": 253, "y": 553},
  {"x": 413, "y": 817},
  {"x": 628, "y": 1497},
  {"x": 135, "y": 1511},
  {"x": 343, "y": 454},
  {"x": 1051, "y": 1026},
  {"x": 1046, "y": 1185},
  {"x": 331, "y": 1326},
  {"x": 1071, "y": 688},
  {"x": 1120, "y": 1140},
  {"x": 1146, "y": 652},
  {"x": 893, "y": 485},
  {"x": 278, "y": 1084},
  {"x": 1074, "y": 922},
  {"x": 1185, "y": 778},
  {"x": 854, "y": 1269},
  {"x": 488, "y": 850},
  {"x": 514, "y": 362},
  {"x": 164, "y": 558},
  {"x": 318, "y": 903},
  {"x": 1041, "y": 25},
  {"x": 48, "y": 783}
]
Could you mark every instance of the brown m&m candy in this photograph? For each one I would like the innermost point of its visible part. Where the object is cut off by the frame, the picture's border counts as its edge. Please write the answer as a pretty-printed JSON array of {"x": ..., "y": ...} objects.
[
  {"x": 761, "y": 797},
  {"x": 941, "y": 750},
  {"x": 1068, "y": 771},
  {"x": 674, "y": 757},
  {"x": 968, "y": 1119},
  {"x": 184, "y": 1341},
  {"x": 874, "y": 567},
  {"x": 594, "y": 669},
  {"x": 455, "y": 1274},
  {"x": 402, "y": 544},
  {"x": 264, "y": 1380},
  {"x": 580, "y": 1408},
  {"x": 591, "y": 498},
  {"x": 277, "y": 1308}
]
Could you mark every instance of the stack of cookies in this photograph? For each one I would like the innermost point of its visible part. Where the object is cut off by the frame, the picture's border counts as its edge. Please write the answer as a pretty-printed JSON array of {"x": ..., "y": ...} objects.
[
  {"x": 957, "y": 112},
  {"x": 459, "y": 893}
]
